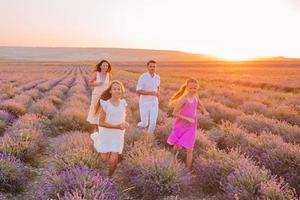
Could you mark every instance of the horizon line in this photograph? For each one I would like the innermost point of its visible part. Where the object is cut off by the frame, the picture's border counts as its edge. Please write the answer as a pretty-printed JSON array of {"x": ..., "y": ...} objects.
[{"x": 173, "y": 50}]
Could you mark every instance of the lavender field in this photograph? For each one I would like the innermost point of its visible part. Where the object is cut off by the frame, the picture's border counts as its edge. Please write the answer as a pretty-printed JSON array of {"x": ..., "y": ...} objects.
[{"x": 247, "y": 149}]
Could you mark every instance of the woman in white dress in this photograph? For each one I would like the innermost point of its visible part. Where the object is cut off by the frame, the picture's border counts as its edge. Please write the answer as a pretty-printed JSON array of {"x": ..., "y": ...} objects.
[
  {"x": 109, "y": 141},
  {"x": 100, "y": 80}
]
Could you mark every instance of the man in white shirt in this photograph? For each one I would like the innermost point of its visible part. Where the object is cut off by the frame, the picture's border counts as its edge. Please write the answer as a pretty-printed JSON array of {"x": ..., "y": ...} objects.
[{"x": 148, "y": 89}]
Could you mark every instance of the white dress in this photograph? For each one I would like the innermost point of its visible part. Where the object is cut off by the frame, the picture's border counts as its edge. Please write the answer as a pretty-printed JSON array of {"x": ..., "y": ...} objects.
[
  {"x": 110, "y": 139},
  {"x": 92, "y": 118}
]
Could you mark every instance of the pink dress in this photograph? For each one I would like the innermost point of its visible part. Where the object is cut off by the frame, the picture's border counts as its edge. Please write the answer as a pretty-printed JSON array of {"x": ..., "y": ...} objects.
[{"x": 184, "y": 133}]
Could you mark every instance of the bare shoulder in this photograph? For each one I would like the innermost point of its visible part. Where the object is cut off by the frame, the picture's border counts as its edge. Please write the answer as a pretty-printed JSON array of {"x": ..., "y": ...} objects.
[
  {"x": 182, "y": 100},
  {"x": 124, "y": 102}
]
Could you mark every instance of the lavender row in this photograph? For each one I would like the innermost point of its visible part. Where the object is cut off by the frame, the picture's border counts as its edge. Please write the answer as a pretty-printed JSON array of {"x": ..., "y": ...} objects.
[{"x": 283, "y": 159}]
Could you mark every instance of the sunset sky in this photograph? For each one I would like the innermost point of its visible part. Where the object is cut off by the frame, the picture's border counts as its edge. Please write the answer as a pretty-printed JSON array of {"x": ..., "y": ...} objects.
[{"x": 230, "y": 29}]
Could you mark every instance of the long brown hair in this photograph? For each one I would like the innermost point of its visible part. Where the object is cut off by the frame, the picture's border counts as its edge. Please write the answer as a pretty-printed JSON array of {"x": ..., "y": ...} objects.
[
  {"x": 106, "y": 94},
  {"x": 97, "y": 68},
  {"x": 181, "y": 91}
]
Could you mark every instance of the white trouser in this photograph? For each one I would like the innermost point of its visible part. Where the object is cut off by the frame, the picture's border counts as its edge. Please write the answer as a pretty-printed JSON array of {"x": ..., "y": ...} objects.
[{"x": 148, "y": 108}]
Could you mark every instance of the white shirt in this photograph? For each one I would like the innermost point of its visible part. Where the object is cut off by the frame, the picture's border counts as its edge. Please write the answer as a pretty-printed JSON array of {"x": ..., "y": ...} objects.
[{"x": 150, "y": 84}]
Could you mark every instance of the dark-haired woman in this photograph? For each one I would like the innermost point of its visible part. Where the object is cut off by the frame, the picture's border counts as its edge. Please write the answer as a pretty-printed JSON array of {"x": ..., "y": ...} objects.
[{"x": 100, "y": 80}]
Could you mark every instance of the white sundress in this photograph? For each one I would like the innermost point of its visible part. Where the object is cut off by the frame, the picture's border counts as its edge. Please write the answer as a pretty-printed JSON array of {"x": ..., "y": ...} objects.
[
  {"x": 92, "y": 118},
  {"x": 109, "y": 139}
]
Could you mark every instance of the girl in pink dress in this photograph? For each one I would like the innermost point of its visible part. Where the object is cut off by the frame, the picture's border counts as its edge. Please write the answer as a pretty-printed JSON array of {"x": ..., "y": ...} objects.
[{"x": 184, "y": 129}]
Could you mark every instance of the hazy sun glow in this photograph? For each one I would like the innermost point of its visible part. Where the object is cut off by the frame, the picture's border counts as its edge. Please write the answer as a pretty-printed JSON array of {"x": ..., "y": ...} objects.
[{"x": 231, "y": 29}]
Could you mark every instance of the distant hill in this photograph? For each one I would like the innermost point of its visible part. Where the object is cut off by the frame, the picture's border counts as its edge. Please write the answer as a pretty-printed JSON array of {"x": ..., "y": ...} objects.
[
  {"x": 278, "y": 58},
  {"x": 92, "y": 54}
]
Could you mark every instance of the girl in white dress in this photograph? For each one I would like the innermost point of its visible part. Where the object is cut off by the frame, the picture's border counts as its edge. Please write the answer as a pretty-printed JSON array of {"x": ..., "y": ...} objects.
[
  {"x": 109, "y": 141},
  {"x": 100, "y": 80}
]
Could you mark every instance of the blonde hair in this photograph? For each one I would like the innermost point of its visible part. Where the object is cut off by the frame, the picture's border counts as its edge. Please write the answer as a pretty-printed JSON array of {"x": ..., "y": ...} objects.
[
  {"x": 181, "y": 91},
  {"x": 106, "y": 94}
]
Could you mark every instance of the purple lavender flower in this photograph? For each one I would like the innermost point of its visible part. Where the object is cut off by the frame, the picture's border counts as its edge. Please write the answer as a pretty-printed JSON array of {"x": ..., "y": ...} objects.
[
  {"x": 6, "y": 116},
  {"x": 13, "y": 174},
  {"x": 153, "y": 172},
  {"x": 80, "y": 182}
]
